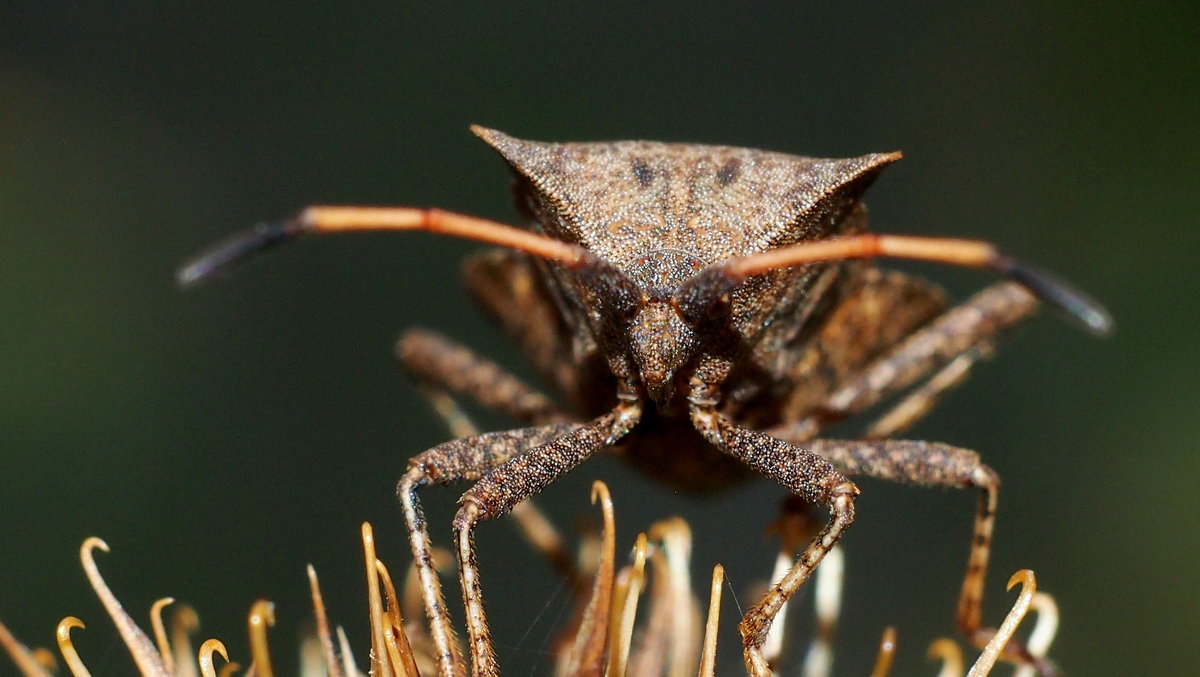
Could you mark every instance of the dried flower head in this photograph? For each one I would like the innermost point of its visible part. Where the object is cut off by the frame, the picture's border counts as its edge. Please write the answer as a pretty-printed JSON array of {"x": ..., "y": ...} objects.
[{"x": 612, "y": 632}]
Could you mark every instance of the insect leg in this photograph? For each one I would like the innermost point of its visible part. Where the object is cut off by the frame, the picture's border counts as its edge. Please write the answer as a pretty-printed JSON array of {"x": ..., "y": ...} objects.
[
  {"x": 535, "y": 527},
  {"x": 924, "y": 398},
  {"x": 443, "y": 363},
  {"x": 507, "y": 484},
  {"x": 941, "y": 465},
  {"x": 806, "y": 475},
  {"x": 967, "y": 329},
  {"x": 462, "y": 459}
]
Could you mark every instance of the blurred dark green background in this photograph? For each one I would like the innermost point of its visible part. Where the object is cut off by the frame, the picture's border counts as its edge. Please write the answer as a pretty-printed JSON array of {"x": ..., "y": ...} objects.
[{"x": 220, "y": 439}]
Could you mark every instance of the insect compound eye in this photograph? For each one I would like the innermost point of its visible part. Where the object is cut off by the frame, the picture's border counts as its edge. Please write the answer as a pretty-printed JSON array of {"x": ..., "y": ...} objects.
[
  {"x": 705, "y": 295},
  {"x": 618, "y": 294}
]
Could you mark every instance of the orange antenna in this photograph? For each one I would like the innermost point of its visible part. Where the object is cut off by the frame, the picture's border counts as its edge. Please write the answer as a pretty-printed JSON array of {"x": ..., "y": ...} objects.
[
  {"x": 317, "y": 220},
  {"x": 696, "y": 296}
]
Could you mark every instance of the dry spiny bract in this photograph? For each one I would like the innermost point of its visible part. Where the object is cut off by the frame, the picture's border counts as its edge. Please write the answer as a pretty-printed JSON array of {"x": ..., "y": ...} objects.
[
  {"x": 642, "y": 620},
  {"x": 711, "y": 298}
]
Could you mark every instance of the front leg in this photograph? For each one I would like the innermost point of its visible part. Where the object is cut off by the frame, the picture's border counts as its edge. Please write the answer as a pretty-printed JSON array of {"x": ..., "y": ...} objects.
[
  {"x": 806, "y": 475},
  {"x": 507, "y": 484},
  {"x": 458, "y": 460}
]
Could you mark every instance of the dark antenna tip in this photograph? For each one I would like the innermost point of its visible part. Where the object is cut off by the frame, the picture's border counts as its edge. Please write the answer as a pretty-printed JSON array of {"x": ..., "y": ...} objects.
[
  {"x": 1080, "y": 308},
  {"x": 234, "y": 250}
]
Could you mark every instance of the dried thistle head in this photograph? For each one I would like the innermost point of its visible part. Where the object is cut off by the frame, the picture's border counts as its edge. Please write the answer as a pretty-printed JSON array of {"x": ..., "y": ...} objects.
[{"x": 611, "y": 633}]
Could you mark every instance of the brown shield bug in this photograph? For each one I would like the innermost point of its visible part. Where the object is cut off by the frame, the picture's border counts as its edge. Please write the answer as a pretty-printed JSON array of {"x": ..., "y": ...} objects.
[{"x": 708, "y": 310}]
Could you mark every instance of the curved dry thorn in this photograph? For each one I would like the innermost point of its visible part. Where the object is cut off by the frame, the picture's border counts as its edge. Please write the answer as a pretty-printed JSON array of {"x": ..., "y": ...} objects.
[
  {"x": 322, "y": 621},
  {"x": 262, "y": 616},
  {"x": 160, "y": 633},
  {"x": 827, "y": 601},
  {"x": 399, "y": 650},
  {"x": 228, "y": 669},
  {"x": 708, "y": 657},
  {"x": 27, "y": 661},
  {"x": 67, "y": 648},
  {"x": 184, "y": 622},
  {"x": 996, "y": 645},
  {"x": 949, "y": 653},
  {"x": 1043, "y": 632},
  {"x": 628, "y": 589},
  {"x": 887, "y": 653},
  {"x": 205, "y": 656},
  {"x": 585, "y": 655},
  {"x": 375, "y": 604},
  {"x": 145, "y": 656}
]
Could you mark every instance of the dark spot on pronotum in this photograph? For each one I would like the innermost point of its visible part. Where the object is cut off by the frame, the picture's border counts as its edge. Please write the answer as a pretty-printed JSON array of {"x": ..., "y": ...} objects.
[
  {"x": 728, "y": 172},
  {"x": 642, "y": 172}
]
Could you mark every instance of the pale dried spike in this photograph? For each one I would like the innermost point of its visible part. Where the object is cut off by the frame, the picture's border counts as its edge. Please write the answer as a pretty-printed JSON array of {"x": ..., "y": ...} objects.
[
  {"x": 184, "y": 622},
  {"x": 827, "y": 600},
  {"x": 25, "y": 660},
  {"x": 1043, "y": 633},
  {"x": 588, "y": 556},
  {"x": 160, "y": 633},
  {"x": 949, "y": 653},
  {"x": 45, "y": 658},
  {"x": 205, "y": 656},
  {"x": 312, "y": 657},
  {"x": 145, "y": 656},
  {"x": 669, "y": 640},
  {"x": 585, "y": 655},
  {"x": 887, "y": 653},
  {"x": 379, "y": 666},
  {"x": 399, "y": 650},
  {"x": 323, "y": 635},
  {"x": 349, "y": 667},
  {"x": 996, "y": 645},
  {"x": 676, "y": 542},
  {"x": 262, "y": 616},
  {"x": 708, "y": 656},
  {"x": 628, "y": 590},
  {"x": 773, "y": 645},
  {"x": 67, "y": 648}
]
